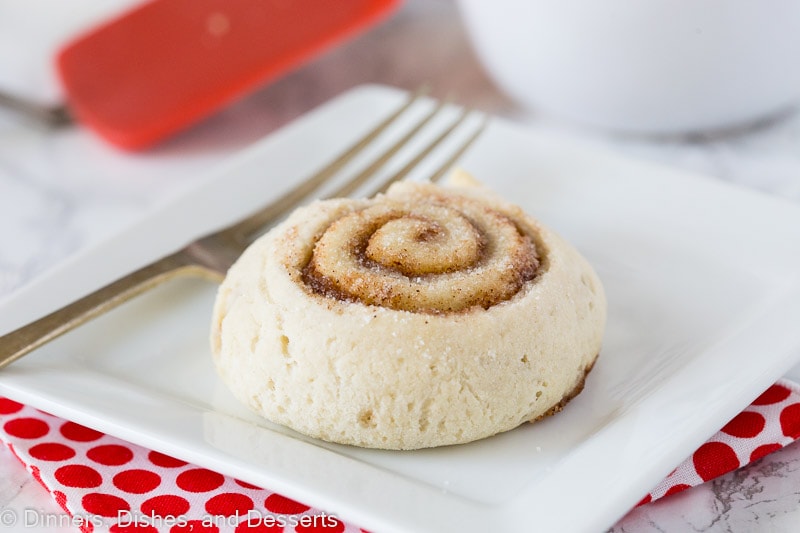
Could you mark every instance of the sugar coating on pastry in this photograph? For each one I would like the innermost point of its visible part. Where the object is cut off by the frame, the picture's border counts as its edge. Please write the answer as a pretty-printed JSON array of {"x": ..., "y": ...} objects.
[{"x": 424, "y": 317}]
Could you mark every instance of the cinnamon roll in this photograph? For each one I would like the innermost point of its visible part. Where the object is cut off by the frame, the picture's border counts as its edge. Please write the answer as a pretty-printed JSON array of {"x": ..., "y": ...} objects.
[{"x": 423, "y": 317}]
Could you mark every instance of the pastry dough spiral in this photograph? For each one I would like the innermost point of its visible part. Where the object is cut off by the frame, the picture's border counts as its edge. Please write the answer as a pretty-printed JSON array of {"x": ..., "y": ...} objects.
[
  {"x": 424, "y": 252},
  {"x": 423, "y": 317}
]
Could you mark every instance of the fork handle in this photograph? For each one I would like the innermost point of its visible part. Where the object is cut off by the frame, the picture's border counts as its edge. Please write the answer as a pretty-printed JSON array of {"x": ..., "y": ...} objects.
[{"x": 21, "y": 341}]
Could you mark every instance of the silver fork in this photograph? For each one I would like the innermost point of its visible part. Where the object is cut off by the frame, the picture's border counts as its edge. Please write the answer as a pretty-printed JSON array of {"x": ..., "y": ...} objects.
[{"x": 210, "y": 256}]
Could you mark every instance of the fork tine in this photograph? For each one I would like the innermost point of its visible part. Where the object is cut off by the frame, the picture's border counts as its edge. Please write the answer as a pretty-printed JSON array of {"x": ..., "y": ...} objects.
[
  {"x": 246, "y": 229},
  {"x": 358, "y": 180},
  {"x": 437, "y": 175},
  {"x": 211, "y": 255}
]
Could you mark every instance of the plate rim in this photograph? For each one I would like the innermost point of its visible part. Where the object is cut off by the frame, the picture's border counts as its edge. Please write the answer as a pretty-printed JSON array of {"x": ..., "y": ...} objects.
[{"x": 488, "y": 515}]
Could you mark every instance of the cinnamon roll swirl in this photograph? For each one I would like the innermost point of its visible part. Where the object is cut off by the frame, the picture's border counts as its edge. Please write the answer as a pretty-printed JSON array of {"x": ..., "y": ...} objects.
[{"x": 423, "y": 317}]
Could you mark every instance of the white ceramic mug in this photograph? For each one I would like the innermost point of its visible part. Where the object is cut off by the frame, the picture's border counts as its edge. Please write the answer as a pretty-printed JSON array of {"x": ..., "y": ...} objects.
[{"x": 650, "y": 66}]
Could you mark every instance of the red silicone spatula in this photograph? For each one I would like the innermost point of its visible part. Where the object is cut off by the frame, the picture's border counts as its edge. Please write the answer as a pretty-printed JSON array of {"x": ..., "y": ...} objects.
[{"x": 168, "y": 63}]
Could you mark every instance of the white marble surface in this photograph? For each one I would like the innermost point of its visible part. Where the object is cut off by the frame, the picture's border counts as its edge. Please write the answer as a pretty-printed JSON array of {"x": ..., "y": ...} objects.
[{"x": 60, "y": 191}]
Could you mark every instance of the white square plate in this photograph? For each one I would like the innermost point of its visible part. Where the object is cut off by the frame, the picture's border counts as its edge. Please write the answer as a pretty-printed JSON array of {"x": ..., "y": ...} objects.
[{"x": 704, "y": 295}]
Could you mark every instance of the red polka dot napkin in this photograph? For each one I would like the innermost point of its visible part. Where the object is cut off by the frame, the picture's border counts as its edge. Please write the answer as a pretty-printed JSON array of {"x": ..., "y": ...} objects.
[
  {"x": 769, "y": 423},
  {"x": 107, "y": 484}
]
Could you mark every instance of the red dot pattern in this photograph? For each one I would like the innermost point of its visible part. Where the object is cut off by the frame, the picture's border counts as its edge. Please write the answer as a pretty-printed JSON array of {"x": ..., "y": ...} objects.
[
  {"x": 52, "y": 451},
  {"x": 745, "y": 425},
  {"x": 61, "y": 499},
  {"x": 37, "y": 475},
  {"x": 790, "y": 421},
  {"x": 8, "y": 407},
  {"x": 680, "y": 487},
  {"x": 275, "y": 503},
  {"x": 89, "y": 472},
  {"x": 229, "y": 504},
  {"x": 26, "y": 428},
  {"x": 713, "y": 459},
  {"x": 78, "y": 476},
  {"x": 771, "y": 422},
  {"x": 774, "y": 394},
  {"x": 137, "y": 481},
  {"x": 110, "y": 454},
  {"x": 104, "y": 504},
  {"x": 763, "y": 450},
  {"x": 165, "y": 461},
  {"x": 79, "y": 433},
  {"x": 199, "y": 480},
  {"x": 167, "y": 505}
]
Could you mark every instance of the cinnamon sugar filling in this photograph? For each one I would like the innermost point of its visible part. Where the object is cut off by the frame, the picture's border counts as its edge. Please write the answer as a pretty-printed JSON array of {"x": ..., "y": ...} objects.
[{"x": 438, "y": 255}]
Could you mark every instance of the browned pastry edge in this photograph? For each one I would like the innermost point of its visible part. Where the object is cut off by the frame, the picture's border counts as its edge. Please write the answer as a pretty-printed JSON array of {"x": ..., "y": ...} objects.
[{"x": 570, "y": 395}]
